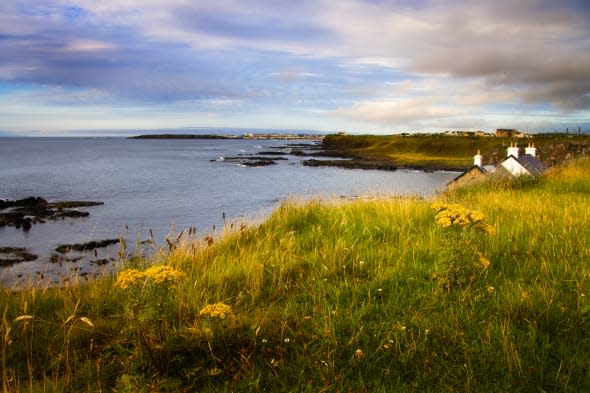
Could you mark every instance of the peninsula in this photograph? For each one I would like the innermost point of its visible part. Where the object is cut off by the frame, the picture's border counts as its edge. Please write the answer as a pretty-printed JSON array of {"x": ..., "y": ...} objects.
[
  {"x": 440, "y": 151},
  {"x": 258, "y": 136}
]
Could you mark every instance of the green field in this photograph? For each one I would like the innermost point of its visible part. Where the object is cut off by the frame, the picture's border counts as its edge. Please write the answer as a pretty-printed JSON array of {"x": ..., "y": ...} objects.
[
  {"x": 453, "y": 152},
  {"x": 487, "y": 295}
]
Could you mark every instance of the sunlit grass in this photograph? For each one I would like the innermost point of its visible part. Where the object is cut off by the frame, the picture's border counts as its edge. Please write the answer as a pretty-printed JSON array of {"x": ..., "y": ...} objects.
[
  {"x": 366, "y": 295},
  {"x": 439, "y": 150}
]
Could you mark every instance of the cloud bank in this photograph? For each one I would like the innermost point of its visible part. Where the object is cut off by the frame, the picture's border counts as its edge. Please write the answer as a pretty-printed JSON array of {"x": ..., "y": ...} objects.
[{"x": 366, "y": 66}]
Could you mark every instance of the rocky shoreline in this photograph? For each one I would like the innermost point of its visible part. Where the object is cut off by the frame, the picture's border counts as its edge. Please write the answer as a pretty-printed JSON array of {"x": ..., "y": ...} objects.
[
  {"x": 346, "y": 159},
  {"x": 270, "y": 157},
  {"x": 316, "y": 153},
  {"x": 352, "y": 163},
  {"x": 24, "y": 213},
  {"x": 251, "y": 160},
  {"x": 12, "y": 255}
]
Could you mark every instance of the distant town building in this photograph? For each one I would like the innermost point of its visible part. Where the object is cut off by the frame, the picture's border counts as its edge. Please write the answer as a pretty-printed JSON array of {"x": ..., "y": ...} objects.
[
  {"x": 509, "y": 133},
  {"x": 478, "y": 133}
]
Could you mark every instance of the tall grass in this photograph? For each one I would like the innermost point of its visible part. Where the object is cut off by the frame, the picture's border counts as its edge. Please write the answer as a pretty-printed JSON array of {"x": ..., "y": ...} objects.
[{"x": 368, "y": 295}]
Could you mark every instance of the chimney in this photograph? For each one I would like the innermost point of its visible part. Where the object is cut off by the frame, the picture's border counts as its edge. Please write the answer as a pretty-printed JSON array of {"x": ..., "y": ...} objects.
[
  {"x": 531, "y": 149},
  {"x": 513, "y": 150},
  {"x": 477, "y": 159}
]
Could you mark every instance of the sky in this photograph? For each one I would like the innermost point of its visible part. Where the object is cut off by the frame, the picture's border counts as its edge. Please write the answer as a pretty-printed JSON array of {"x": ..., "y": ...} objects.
[{"x": 109, "y": 67}]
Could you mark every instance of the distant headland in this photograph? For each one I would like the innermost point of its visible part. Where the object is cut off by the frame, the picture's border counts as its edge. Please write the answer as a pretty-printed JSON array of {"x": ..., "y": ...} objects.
[
  {"x": 440, "y": 151},
  {"x": 263, "y": 136}
]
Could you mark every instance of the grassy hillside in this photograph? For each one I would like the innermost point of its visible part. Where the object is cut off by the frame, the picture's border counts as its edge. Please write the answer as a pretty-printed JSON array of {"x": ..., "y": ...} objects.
[
  {"x": 482, "y": 290},
  {"x": 448, "y": 151}
]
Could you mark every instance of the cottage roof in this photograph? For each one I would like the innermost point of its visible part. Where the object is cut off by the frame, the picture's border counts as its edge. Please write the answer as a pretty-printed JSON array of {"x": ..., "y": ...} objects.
[
  {"x": 489, "y": 168},
  {"x": 474, "y": 170},
  {"x": 532, "y": 164}
]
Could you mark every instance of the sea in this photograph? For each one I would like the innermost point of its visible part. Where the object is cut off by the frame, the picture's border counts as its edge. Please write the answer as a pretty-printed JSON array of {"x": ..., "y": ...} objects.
[{"x": 154, "y": 189}]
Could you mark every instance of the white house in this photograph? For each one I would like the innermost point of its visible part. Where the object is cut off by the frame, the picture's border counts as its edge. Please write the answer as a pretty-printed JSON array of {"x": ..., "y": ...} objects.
[
  {"x": 526, "y": 164},
  {"x": 514, "y": 164}
]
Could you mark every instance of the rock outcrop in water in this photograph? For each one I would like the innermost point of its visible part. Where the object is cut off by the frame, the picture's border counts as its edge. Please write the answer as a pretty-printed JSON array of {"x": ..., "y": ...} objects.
[
  {"x": 89, "y": 246},
  {"x": 352, "y": 164},
  {"x": 12, "y": 255},
  {"x": 24, "y": 213},
  {"x": 251, "y": 160}
]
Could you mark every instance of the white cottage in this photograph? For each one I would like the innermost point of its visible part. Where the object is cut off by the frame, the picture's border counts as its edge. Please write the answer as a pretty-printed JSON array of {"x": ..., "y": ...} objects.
[
  {"x": 527, "y": 164},
  {"x": 515, "y": 165}
]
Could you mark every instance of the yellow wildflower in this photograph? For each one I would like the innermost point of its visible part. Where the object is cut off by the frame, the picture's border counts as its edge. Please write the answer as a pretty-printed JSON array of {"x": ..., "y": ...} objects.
[
  {"x": 220, "y": 310},
  {"x": 453, "y": 214},
  {"x": 129, "y": 278},
  {"x": 164, "y": 274},
  {"x": 484, "y": 262},
  {"x": 158, "y": 274}
]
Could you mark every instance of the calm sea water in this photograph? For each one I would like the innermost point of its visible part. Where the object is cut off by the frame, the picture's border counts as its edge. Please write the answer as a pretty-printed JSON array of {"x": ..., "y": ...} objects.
[{"x": 158, "y": 185}]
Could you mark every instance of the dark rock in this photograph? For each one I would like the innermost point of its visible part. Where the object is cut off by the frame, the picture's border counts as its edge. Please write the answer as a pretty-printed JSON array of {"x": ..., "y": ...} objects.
[
  {"x": 55, "y": 258},
  {"x": 27, "y": 224},
  {"x": 256, "y": 163},
  {"x": 83, "y": 247},
  {"x": 352, "y": 164},
  {"x": 103, "y": 261},
  {"x": 249, "y": 157},
  {"x": 298, "y": 153},
  {"x": 23, "y": 213},
  {"x": 14, "y": 255},
  {"x": 252, "y": 160},
  {"x": 30, "y": 202},
  {"x": 70, "y": 214},
  {"x": 73, "y": 204},
  {"x": 270, "y": 153}
]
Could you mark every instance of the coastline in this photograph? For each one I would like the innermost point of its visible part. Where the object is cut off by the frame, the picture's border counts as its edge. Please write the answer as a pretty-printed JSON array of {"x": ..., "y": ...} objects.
[
  {"x": 422, "y": 152},
  {"x": 365, "y": 283},
  {"x": 133, "y": 180},
  {"x": 257, "y": 136},
  {"x": 437, "y": 152}
]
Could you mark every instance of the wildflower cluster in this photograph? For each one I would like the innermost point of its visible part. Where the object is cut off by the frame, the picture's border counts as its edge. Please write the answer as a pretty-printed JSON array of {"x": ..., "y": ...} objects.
[
  {"x": 448, "y": 215},
  {"x": 129, "y": 278},
  {"x": 158, "y": 274},
  {"x": 164, "y": 274},
  {"x": 220, "y": 310}
]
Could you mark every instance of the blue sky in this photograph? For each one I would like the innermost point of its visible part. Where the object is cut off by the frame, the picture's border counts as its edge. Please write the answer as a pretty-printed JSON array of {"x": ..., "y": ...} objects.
[{"x": 361, "y": 66}]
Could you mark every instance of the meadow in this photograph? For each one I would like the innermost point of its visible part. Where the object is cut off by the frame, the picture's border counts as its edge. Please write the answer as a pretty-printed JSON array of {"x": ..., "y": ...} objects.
[
  {"x": 434, "y": 151},
  {"x": 482, "y": 289}
]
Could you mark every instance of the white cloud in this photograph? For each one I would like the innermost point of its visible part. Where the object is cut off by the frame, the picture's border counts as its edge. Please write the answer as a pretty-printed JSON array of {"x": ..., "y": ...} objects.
[
  {"x": 80, "y": 45},
  {"x": 508, "y": 45},
  {"x": 393, "y": 112},
  {"x": 393, "y": 62}
]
